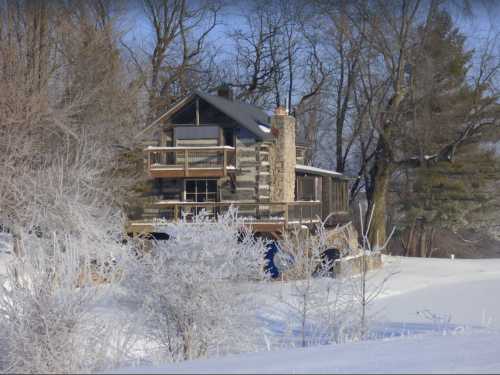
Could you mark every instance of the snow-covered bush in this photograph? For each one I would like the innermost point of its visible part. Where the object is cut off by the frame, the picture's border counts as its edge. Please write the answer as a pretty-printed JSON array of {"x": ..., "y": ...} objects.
[
  {"x": 319, "y": 308},
  {"x": 366, "y": 286},
  {"x": 48, "y": 315},
  {"x": 191, "y": 291},
  {"x": 322, "y": 307}
]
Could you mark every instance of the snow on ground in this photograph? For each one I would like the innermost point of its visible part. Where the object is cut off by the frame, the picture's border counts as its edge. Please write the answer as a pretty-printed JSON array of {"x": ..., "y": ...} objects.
[
  {"x": 464, "y": 290},
  {"x": 436, "y": 315},
  {"x": 5, "y": 251},
  {"x": 468, "y": 353}
]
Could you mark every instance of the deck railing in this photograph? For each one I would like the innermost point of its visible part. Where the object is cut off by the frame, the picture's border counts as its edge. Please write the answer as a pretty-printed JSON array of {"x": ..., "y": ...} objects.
[
  {"x": 286, "y": 213},
  {"x": 190, "y": 161}
]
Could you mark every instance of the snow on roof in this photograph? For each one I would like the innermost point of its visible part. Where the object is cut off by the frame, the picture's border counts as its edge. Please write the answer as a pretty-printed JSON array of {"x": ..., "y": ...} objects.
[
  {"x": 264, "y": 128},
  {"x": 309, "y": 169},
  {"x": 247, "y": 115}
]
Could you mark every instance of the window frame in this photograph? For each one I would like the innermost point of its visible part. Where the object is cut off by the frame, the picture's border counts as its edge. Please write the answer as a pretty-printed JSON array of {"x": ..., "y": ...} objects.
[{"x": 208, "y": 194}]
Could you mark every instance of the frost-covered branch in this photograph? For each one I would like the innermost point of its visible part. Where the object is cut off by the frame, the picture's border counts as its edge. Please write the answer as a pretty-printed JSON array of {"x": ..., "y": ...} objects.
[{"x": 192, "y": 290}]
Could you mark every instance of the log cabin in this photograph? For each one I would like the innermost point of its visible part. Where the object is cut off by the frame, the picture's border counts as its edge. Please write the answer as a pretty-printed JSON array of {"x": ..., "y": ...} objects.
[{"x": 210, "y": 152}]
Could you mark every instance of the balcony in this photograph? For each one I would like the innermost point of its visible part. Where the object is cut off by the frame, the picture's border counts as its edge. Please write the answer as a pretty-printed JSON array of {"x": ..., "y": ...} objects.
[
  {"x": 178, "y": 162},
  {"x": 260, "y": 217}
]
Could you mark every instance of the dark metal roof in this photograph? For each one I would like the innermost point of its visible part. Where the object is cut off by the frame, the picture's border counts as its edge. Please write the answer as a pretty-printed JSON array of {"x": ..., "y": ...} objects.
[
  {"x": 251, "y": 117},
  {"x": 245, "y": 114}
]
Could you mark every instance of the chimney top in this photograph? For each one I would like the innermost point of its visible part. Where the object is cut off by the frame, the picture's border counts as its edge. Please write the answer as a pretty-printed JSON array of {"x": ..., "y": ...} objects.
[
  {"x": 280, "y": 111},
  {"x": 225, "y": 91}
]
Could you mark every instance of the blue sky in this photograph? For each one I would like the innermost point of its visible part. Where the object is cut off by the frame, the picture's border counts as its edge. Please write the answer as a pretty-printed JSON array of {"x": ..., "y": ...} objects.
[{"x": 482, "y": 24}]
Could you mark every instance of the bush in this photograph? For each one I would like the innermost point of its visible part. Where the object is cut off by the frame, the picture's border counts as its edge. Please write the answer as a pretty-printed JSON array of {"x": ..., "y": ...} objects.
[
  {"x": 191, "y": 289},
  {"x": 47, "y": 305}
]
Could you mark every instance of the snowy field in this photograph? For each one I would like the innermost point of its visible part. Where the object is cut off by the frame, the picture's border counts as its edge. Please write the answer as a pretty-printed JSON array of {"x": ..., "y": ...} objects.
[
  {"x": 434, "y": 315},
  {"x": 467, "y": 353}
]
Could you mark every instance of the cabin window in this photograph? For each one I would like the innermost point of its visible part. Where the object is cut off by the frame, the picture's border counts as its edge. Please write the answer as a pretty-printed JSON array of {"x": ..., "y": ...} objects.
[
  {"x": 340, "y": 195},
  {"x": 308, "y": 188},
  {"x": 201, "y": 191},
  {"x": 228, "y": 134},
  {"x": 196, "y": 136},
  {"x": 299, "y": 153}
]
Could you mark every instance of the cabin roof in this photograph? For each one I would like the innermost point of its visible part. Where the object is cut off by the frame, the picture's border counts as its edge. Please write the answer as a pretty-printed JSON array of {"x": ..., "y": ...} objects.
[
  {"x": 248, "y": 115},
  {"x": 251, "y": 117}
]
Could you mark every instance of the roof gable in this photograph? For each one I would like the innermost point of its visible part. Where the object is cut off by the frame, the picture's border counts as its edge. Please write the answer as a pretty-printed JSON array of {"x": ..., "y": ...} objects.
[{"x": 250, "y": 117}]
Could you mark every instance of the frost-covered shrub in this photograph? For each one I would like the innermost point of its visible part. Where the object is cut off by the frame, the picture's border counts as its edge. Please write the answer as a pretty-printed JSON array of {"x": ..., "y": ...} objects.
[
  {"x": 321, "y": 307},
  {"x": 47, "y": 310},
  {"x": 318, "y": 309},
  {"x": 192, "y": 290}
]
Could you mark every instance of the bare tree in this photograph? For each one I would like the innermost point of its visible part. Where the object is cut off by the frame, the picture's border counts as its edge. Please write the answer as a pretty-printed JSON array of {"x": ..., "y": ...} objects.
[
  {"x": 318, "y": 307},
  {"x": 259, "y": 56},
  {"x": 390, "y": 34},
  {"x": 57, "y": 131},
  {"x": 367, "y": 287},
  {"x": 178, "y": 58}
]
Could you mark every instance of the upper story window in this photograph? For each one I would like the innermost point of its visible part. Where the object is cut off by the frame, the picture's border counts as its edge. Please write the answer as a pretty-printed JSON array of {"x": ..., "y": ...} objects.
[
  {"x": 228, "y": 136},
  {"x": 196, "y": 136},
  {"x": 300, "y": 152}
]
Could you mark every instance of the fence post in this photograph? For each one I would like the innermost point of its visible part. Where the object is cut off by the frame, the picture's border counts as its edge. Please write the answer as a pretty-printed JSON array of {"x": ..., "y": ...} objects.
[
  {"x": 287, "y": 207},
  {"x": 225, "y": 161}
]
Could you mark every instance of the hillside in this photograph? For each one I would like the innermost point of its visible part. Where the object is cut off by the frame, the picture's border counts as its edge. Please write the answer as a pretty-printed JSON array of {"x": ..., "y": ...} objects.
[
  {"x": 474, "y": 353},
  {"x": 435, "y": 315}
]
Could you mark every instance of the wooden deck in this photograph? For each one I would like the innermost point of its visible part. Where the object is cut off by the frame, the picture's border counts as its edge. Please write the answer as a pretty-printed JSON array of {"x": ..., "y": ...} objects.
[
  {"x": 138, "y": 228},
  {"x": 180, "y": 162},
  {"x": 260, "y": 217}
]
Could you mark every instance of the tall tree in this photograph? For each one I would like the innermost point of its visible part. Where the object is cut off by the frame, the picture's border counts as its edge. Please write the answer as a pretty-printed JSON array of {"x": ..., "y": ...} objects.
[
  {"x": 442, "y": 193},
  {"x": 178, "y": 59},
  {"x": 64, "y": 104},
  {"x": 395, "y": 34},
  {"x": 342, "y": 46}
]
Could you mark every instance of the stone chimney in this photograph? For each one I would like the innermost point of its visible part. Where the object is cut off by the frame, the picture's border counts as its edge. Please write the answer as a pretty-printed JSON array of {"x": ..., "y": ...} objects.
[
  {"x": 225, "y": 91},
  {"x": 282, "y": 157}
]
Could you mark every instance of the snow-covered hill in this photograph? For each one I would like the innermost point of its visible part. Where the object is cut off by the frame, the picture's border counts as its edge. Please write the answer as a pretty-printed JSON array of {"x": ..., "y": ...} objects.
[
  {"x": 435, "y": 315},
  {"x": 461, "y": 290},
  {"x": 467, "y": 353}
]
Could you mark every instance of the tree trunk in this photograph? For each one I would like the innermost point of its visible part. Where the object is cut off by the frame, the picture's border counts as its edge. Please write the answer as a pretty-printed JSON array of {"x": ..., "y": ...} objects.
[
  {"x": 187, "y": 347},
  {"x": 423, "y": 242},
  {"x": 339, "y": 146},
  {"x": 378, "y": 227},
  {"x": 377, "y": 195},
  {"x": 381, "y": 172}
]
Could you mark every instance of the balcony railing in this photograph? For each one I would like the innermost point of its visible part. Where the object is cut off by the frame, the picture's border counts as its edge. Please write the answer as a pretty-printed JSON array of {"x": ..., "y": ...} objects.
[
  {"x": 288, "y": 213},
  {"x": 260, "y": 217},
  {"x": 191, "y": 161}
]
